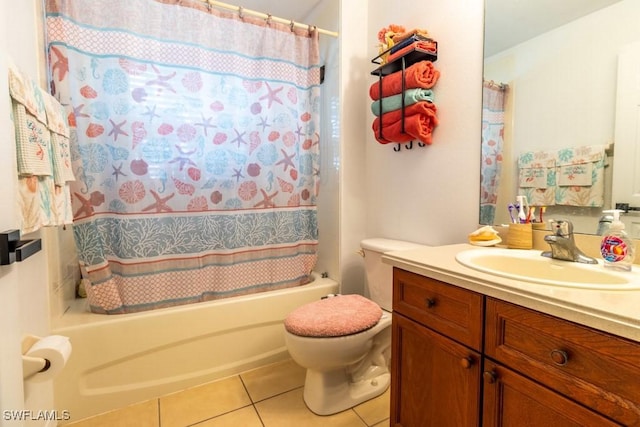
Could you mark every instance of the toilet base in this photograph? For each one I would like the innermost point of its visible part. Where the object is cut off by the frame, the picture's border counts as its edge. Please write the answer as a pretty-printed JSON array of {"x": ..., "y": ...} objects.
[{"x": 327, "y": 393}]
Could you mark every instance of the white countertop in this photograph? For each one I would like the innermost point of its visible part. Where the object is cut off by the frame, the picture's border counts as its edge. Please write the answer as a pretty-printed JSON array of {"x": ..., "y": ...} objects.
[{"x": 615, "y": 311}]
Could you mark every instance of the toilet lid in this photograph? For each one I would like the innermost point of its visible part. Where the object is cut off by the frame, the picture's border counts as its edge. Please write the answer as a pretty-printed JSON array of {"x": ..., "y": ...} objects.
[{"x": 334, "y": 317}]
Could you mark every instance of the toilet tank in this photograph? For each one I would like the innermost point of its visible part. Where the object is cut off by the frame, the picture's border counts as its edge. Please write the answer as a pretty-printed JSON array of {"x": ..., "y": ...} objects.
[{"x": 379, "y": 282}]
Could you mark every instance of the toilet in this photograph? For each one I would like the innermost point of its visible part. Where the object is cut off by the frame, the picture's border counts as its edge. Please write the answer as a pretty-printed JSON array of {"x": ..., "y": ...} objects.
[{"x": 344, "y": 341}]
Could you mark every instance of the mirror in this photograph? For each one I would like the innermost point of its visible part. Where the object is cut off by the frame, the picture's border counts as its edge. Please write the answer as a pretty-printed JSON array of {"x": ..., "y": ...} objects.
[{"x": 559, "y": 62}]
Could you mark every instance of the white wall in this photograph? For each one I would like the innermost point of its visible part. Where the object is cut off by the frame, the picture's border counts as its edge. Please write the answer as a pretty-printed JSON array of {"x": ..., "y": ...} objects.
[
  {"x": 354, "y": 83},
  {"x": 430, "y": 195},
  {"x": 427, "y": 195},
  {"x": 24, "y": 305}
]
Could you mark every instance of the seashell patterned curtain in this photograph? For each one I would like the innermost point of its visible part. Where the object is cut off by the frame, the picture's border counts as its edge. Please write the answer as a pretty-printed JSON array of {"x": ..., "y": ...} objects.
[{"x": 194, "y": 137}]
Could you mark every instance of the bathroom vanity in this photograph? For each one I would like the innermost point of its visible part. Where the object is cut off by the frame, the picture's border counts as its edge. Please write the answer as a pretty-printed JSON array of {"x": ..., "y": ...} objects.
[{"x": 471, "y": 348}]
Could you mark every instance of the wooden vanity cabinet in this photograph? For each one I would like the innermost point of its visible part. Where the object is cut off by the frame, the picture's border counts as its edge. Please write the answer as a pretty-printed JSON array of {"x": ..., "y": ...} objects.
[
  {"x": 435, "y": 378},
  {"x": 463, "y": 359},
  {"x": 600, "y": 371}
]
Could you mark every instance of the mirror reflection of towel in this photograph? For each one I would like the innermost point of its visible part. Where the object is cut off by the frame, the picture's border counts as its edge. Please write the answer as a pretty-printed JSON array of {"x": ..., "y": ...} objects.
[
  {"x": 537, "y": 177},
  {"x": 581, "y": 176},
  {"x": 533, "y": 177}
]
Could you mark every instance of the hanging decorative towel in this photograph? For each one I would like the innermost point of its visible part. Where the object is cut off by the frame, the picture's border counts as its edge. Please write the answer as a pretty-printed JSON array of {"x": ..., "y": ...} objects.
[
  {"x": 537, "y": 177},
  {"x": 581, "y": 176},
  {"x": 60, "y": 148},
  {"x": 43, "y": 155},
  {"x": 30, "y": 121}
]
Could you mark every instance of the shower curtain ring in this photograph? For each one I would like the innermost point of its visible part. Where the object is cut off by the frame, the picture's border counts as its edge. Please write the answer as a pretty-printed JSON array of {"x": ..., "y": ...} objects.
[
  {"x": 269, "y": 17},
  {"x": 241, "y": 12},
  {"x": 292, "y": 25}
]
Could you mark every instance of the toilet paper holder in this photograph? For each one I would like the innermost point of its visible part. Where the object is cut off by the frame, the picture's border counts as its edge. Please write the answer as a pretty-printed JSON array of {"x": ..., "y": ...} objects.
[{"x": 32, "y": 365}]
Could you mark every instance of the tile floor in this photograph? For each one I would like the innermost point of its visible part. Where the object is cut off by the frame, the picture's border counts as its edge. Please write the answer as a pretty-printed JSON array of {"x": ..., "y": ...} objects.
[{"x": 270, "y": 396}]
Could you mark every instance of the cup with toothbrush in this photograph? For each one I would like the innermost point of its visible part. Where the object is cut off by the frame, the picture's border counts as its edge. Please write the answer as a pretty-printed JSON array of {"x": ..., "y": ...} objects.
[{"x": 520, "y": 234}]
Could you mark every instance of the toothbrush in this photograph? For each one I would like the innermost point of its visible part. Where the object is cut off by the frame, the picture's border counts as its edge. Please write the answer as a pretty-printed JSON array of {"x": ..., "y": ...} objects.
[
  {"x": 531, "y": 217},
  {"x": 542, "y": 210},
  {"x": 511, "y": 207},
  {"x": 521, "y": 215}
]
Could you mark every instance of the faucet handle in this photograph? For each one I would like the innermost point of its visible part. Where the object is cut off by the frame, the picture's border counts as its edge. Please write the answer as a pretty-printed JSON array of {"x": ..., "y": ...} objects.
[{"x": 561, "y": 227}]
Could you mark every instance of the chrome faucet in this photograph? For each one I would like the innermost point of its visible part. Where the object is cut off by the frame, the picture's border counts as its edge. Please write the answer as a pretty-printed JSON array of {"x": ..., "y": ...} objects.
[{"x": 563, "y": 245}]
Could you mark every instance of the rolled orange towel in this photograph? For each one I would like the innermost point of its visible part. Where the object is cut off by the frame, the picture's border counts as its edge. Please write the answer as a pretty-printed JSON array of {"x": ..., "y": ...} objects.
[
  {"x": 419, "y": 121},
  {"x": 422, "y": 74}
]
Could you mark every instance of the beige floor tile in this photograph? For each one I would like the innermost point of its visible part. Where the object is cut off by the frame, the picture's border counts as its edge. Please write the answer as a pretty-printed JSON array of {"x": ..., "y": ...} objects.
[
  {"x": 143, "y": 414},
  {"x": 384, "y": 423},
  {"x": 203, "y": 402},
  {"x": 244, "y": 417},
  {"x": 375, "y": 410},
  {"x": 271, "y": 380},
  {"x": 289, "y": 410}
]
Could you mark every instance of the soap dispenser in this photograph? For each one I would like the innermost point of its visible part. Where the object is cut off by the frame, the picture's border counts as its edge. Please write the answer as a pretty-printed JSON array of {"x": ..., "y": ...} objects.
[{"x": 617, "y": 249}]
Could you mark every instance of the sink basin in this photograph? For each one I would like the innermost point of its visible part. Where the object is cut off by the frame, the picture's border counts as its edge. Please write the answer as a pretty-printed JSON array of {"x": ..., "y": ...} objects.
[{"x": 530, "y": 266}]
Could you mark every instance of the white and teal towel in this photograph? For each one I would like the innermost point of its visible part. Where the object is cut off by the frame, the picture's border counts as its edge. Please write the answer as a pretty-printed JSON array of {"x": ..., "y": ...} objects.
[
  {"x": 537, "y": 177},
  {"x": 571, "y": 176},
  {"x": 394, "y": 102},
  {"x": 60, "y": 148},
  {"x": 43, "y": 155},
  {"x": 33, "y": 140},
  {"x": 580, "y": 176}
]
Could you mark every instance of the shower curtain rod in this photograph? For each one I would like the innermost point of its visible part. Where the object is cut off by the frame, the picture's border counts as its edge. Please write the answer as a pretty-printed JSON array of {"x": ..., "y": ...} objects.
[{"x": 242, "y": 10}]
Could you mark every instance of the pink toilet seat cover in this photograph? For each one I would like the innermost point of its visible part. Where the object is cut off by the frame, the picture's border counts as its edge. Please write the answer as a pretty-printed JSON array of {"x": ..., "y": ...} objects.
[{"x": 334, "y": 317}]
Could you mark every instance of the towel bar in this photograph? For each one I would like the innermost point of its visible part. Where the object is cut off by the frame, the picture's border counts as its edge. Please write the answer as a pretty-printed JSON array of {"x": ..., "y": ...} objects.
[{"x": 13, "y": 249}]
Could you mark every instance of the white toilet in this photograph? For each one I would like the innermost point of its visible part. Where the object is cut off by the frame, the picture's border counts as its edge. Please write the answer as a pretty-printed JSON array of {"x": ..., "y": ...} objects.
[{"x": 344, "y": 341}]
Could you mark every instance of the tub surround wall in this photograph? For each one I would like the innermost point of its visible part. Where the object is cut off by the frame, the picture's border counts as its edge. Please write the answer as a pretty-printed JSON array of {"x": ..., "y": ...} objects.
[{"x": 63, "y": 269}]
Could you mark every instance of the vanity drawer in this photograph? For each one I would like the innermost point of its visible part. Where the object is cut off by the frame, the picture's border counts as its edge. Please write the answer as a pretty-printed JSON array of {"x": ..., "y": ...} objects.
[
  {"x": 450, "y": 310},
  {"x": 594, "y": 368}
]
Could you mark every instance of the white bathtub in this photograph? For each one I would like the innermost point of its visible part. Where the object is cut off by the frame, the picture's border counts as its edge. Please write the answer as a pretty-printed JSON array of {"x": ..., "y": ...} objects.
[{"x": 118, "y": 360}]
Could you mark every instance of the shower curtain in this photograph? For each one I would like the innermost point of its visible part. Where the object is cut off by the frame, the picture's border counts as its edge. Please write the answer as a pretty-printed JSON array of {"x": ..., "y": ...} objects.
[
  {"x": 195, "y": 147},
  {"x": 493, "y": 101}
]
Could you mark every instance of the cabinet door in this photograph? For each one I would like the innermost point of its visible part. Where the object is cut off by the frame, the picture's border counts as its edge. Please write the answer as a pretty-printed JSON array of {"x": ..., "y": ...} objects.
[
  {"x": 435, "y": 381},
  {"x": 511, "y": 400},
  {"x": 591, "y": 367}
]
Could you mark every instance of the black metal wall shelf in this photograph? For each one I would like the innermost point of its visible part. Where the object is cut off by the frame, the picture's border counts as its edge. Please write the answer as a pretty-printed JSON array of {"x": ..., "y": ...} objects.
[
  {"x": 400, "y": 64},
  {"x": 409, "y": 59}
]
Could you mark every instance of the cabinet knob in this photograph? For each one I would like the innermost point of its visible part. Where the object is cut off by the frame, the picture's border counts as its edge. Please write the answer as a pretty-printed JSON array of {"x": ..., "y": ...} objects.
[
  {"x": 559, "y": 357},
  {"x": 466, "y": 362},
  {"x": 490, "y": 376},
  {"x": 430, "y": 302}
]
